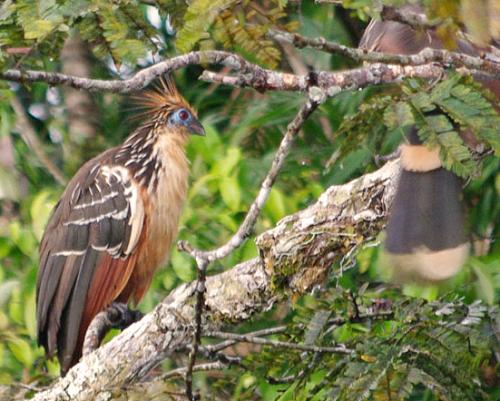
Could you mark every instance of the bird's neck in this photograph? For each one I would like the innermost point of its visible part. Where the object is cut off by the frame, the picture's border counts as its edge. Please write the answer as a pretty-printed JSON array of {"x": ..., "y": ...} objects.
[{"x": 150, "y": 153}]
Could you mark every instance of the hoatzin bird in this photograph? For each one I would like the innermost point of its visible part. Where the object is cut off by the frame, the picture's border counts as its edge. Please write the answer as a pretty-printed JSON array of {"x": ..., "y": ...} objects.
[
  {"x": 426, "y": 239},
  {"x": 114, "y": 224}
]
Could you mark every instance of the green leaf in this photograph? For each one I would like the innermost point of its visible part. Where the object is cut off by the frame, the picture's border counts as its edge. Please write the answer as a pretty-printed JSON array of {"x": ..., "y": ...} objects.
[
  {"x": 40, "y": 210},
  {"x": 229, "y": 163},
  {"x": 289, "y": 394},
  {"x": 422, "y": 101},
  {"x": 6, "y": 288},
  {"x": 454, "y": 154},
  {"x": 399, "y": 115},
  {"x": 230, "y": 191},
  {"x": 9, "y": 186},
  {"x": 23, "y": 238},
  {"x": 6, "y": 117},
  {"x": 182, "y": 266},
  {"x": 38, "y": 29},
  {"x": 439, "y": 123},
  {"x": 485, "y": 281},
  {"x": 275, "y": 204},
  {"x": 21, "y": 351},
  {"x": 30, "y": 314},
  {"x": 442, "y": 90},
  {"x": 198, "y": 18}
]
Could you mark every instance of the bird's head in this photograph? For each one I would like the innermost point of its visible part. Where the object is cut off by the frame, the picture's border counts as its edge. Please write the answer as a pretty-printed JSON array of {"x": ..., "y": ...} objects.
[{"x": 165, "y": 106}]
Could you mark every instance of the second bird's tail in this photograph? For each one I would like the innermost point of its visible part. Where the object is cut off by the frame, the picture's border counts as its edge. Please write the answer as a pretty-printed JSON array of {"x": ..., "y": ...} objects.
[{"x": 426, "y": 238}]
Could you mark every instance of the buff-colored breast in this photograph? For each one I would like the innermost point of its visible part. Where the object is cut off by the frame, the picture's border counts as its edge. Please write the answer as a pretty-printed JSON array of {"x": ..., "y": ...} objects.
[{"x": 165, "y": 203}]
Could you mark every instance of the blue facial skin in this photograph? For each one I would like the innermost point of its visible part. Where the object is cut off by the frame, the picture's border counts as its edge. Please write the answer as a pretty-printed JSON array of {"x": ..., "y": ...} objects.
[
  {"x": 183, "y": 117},
  {"x": 180, "y": 117}
]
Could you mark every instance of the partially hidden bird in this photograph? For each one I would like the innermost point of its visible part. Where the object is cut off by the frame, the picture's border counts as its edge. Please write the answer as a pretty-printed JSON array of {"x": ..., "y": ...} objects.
[
  {"x": 426, "y": 238},
  {"x": 114, "y": 224}
]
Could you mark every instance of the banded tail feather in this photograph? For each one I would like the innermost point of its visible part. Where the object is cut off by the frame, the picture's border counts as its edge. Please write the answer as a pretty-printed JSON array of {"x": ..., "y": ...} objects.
[{"x": 426, "y": 238}]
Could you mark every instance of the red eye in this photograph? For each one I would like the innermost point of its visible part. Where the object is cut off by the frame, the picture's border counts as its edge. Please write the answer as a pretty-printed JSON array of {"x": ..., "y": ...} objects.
[{"x": 183, "y": 115}]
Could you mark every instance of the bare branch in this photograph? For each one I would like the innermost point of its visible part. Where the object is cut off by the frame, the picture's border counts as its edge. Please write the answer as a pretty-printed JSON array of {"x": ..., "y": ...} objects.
[
  {"x": 425, "y": 56},
  {"x": 250, "y": 75},
  {"x": 140, "y": 80},
  {"x": 214, "y": 348},
  {"x": 334, "y": 82},
  {"x": 200, "y": 305},
  {"x": 279, "y": 344},
  {"x": 202, "y": 367},
  {"x": 295, "y": 256}
]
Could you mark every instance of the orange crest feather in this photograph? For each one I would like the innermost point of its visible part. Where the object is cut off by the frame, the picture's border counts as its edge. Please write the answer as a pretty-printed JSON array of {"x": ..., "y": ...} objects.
[{"x": 161, "y": 99}]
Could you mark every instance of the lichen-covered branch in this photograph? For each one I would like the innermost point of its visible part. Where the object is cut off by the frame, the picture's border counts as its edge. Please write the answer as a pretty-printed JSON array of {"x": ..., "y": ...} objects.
[{"x": 294, "y": 256}]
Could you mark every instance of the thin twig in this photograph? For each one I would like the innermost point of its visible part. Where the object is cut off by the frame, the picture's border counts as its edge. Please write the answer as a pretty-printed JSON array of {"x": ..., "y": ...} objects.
[
  {"x": 218, "y": 365},
  {"x": 29, "y": 136},
  {"x": 245, "y": 338},
  {"x": 214, "y": 348},
  {"x": 200, "y": 304},
  {"x": 425, "y": 56},
  {"x": 297, "y": 376}
]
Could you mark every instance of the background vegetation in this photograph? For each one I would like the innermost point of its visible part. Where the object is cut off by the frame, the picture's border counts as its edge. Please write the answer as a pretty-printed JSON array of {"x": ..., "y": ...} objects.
[{"x": 416, "y": 353}]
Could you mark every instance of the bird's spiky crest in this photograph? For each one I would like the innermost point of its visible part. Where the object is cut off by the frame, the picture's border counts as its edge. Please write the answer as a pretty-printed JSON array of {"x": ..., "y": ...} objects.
[{"x": 161, "y": 99}]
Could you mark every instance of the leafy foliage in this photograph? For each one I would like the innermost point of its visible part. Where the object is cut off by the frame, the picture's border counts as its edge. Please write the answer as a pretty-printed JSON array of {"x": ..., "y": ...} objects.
[
  {"x": 120, "y": 30},
  {"x": 401, "y": 349},
  {"x": 441, "y": 112}
]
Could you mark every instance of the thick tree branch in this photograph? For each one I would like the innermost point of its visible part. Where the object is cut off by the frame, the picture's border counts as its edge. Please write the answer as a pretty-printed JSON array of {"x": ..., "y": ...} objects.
[
  {"x": 294, "y": 256},
  {"x": 250, "y": 75}
]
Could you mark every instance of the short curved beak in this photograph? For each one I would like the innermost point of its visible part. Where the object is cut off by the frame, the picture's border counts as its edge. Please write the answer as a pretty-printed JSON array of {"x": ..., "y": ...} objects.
[{"x": 196, "y": 128}]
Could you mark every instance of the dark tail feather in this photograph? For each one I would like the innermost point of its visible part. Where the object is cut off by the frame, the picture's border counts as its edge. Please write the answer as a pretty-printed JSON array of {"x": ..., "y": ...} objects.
[
  {"x": 69, "y": 347},
  {"x": 426, "y": 239}
]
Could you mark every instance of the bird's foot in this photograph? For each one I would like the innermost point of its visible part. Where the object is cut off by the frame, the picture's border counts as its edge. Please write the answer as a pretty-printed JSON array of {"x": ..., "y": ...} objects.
[{"x": 117, "y": 316}]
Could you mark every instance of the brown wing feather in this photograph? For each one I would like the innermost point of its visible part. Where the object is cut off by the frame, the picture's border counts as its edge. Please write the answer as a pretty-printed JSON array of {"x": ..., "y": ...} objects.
[{"x": 86, "y": 255}]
